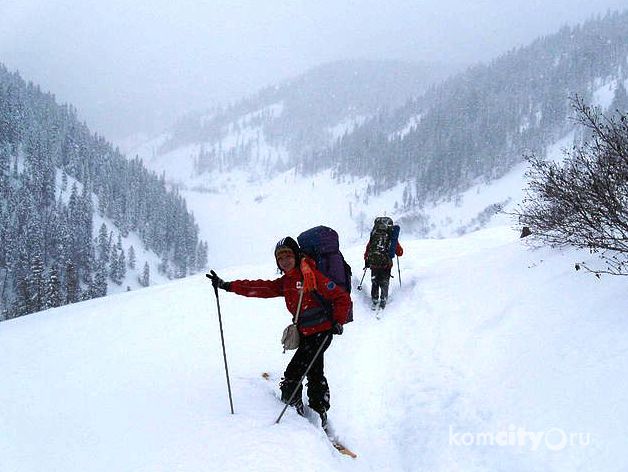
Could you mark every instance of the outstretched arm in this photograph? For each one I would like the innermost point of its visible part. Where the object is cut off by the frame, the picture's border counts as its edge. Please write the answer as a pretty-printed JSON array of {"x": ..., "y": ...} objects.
[
  {"x": 249, "y": 288},
  {"x": 258, "y": 288}
]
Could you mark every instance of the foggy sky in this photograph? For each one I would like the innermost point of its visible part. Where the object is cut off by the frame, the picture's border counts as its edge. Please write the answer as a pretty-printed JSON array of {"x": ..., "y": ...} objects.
[{"x": 133, "y": 65}]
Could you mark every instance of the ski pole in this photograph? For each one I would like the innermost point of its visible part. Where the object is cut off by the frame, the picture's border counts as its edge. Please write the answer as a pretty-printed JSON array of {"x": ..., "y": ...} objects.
[
  {"x": 360, "y": 286},
  {"x": 294, "y": 392},
  {"x": 222, "y": 338},
  {"x": 399, "y": 271}
]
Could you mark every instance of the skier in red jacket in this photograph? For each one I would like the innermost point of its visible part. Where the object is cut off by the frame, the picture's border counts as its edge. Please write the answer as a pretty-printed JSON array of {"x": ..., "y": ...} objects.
[{"x": 314, "y": 322}]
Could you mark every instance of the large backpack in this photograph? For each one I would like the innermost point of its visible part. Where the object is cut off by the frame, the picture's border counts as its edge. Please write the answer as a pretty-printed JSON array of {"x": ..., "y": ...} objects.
[
  {"x": 321, "y": 244},
  {"x": 379, "y": 248}
]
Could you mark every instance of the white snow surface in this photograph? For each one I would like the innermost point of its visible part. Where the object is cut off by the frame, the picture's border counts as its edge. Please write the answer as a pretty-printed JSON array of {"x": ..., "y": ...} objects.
[
  {"x": 491, "y": 356},
  {"x": 347, "y": 125}
]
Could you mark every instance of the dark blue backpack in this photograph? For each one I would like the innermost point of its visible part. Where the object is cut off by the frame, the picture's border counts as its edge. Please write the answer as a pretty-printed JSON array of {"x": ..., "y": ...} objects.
[{"x": 321, "y": 244}]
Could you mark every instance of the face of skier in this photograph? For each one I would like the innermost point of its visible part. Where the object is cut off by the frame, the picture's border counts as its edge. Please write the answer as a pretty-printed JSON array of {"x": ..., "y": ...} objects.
[{"x": 285, "y": 260}]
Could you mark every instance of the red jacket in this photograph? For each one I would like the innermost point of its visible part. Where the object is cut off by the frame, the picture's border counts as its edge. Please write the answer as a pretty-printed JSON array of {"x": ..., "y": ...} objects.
[
  {"x": 313, "y": 318},
  {"x": 398, "y": 253}
]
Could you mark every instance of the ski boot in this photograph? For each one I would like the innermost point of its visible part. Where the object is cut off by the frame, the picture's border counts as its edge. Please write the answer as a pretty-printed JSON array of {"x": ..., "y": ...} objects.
[
  {"x": 324, "y": 423},
  {"x": 298, "y": 405},
  {"x": 374, "y": 303}
]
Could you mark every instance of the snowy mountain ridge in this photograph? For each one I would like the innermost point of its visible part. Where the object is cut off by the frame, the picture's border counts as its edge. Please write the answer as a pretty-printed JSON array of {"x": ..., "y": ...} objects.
[
  {"x": 273, "y": 129},
  {"x": 429, "y": 143},
  {"x": 221, "y": 200}
]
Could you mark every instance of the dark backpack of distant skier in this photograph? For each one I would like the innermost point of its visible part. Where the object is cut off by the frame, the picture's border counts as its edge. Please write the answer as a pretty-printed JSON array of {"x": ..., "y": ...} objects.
[
  {"x": 322, "y": 245},
  {"x": 382, "y": 242}
]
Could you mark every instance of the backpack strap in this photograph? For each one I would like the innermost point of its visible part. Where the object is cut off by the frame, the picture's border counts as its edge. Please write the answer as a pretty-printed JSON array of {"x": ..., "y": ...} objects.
[{"x": 295, "y": 319}]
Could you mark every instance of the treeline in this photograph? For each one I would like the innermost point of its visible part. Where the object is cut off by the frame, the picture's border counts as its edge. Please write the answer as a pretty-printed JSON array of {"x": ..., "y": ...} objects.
[
  {"x": 474, "y": 126},
  {"x": 54, "y": 175},
  {"x": 297, "y": 116},
  {"x": 478, "y": 124}
]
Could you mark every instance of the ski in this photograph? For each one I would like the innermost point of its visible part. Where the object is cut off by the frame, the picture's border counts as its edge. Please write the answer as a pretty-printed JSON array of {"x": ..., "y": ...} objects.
[
  {"x": 377, "y": 309},
  {"x": 344, "y": 450},
  {"x": 341, "y": 448}
]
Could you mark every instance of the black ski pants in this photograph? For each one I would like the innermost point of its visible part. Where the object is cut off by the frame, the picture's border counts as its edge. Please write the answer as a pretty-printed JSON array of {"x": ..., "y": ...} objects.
[
  {"x": 380, "y": 279},
  {"x": 317, "y": 388}
]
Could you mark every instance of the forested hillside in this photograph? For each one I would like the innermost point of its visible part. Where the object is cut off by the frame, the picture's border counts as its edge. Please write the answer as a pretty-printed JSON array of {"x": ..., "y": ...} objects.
[
  {"x": 274, "y": 128},
  {"x": 478, "y": 124},
  {"x": 387, "y": 123},
  {"x": 55, "y": 176}
]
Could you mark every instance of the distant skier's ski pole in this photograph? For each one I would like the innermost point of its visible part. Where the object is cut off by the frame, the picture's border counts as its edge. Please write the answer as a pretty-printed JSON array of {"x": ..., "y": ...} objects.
[
  {"x": 360, "y": 286},
  {"x": 399, "y": 271},
  {"x": 294, "y": 392},
  {"x": 222, "y": 338}
]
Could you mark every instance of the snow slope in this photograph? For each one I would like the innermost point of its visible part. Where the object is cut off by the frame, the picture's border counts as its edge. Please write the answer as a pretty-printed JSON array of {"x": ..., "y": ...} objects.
[
  {"x": 484, "y": 338},
  {"x": 491, "y": 356}
]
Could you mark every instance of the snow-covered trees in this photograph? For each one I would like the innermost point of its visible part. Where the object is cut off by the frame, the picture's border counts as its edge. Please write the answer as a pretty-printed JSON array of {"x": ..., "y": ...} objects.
[
  {"x": 132, "y": 257},
  {"x": 48, "y": 254},
  {"x": 478, "y": 124},
  {"x": 144, "y": 280}
]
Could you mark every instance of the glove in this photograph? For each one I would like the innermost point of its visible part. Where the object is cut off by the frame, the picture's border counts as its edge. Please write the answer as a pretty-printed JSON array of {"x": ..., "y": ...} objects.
[
  {"x": 337, "y": 328},
  {"x": 217, "y": 282}
]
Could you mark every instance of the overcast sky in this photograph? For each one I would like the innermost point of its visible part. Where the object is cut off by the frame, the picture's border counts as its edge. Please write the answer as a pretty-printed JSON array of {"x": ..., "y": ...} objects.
[{"x": 130, "y": 65}]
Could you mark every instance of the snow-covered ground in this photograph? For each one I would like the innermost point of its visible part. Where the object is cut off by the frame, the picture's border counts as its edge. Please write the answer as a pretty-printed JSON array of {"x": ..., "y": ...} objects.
[{"x": 490, "y": 356}]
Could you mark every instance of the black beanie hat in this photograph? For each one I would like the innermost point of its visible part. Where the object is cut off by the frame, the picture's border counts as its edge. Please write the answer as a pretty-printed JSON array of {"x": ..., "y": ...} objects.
[{"x": 289, "y": 243}]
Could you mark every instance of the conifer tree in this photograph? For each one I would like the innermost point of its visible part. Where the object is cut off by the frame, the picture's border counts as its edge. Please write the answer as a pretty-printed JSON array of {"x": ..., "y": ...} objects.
[
  {"x": 53, "y": 289},
  {"x": 145, "y": 278},
  {"x": 122, "y": 265},
  {"x": 103, "y": 244},
  {"x": 121, "y": 272},
  {"x": 131, "y": 257},
  {"x": 22, "y": 303},
  {"x": 5, "y": 159},
  {"x": 114, "y": 266},
  {"x": 72, "y": 288},
  {"x": 100, "y": 279},
  {"x": 38, "y": 286},
  {"x": 201, "y": 257}
]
